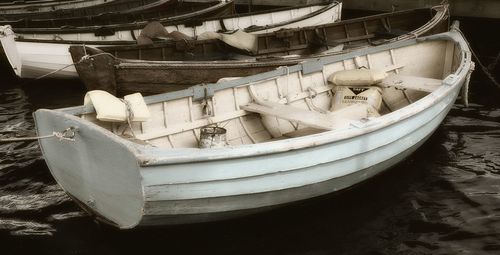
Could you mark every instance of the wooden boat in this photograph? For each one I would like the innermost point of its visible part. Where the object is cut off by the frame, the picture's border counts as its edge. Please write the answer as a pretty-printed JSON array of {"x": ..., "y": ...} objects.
[
  {"x": 27, "y": 3},
  {"x": 35, "y": 57},
  {"x": 160, "y": 9},
  {"x": 194, "y": 24},
  {"x": 168, "y": 67},
  {"x": 31, "y": 7},
  {"x": 284, "y": 145},
  {"x": 86, "y": 8}
]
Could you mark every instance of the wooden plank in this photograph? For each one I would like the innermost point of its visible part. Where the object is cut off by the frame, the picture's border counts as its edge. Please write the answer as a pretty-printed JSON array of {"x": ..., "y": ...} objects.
[
  {"x": 303, "y": 132},
  {"x": 288, "y": 112},
  {"x": 175, "y": 129},
  {"x": 404, "y": 82}
]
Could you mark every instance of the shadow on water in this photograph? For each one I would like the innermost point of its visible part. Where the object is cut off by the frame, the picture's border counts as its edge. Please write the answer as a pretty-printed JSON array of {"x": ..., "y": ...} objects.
[
  {"x": 444, "y": 199},
  {"x": 374, "y": 213}
]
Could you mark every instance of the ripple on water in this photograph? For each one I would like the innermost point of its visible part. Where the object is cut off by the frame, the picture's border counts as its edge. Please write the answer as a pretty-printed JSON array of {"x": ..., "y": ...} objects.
[{"x": 464, "y": 213}]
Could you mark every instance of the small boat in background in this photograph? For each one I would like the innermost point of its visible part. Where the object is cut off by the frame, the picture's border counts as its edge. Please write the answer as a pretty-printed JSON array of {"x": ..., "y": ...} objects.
[
  {"x": 153, "y": 69},
  {"x": 23, "y": 3},
  {"x": 161, "y": 9},
  {"x": 36, "y": 57},
  {"x": 212, "y": 17},
  {"x": 285, "y": 140},
  {"x": 33, "y": 7},
  {"x": 84, "y": 8}
]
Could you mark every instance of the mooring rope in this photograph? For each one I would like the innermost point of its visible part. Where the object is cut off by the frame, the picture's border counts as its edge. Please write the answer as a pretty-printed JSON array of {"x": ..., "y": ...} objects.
[
  {"x": 68, "y": 134},
  {"x": 494, "y": 64},
  {"x": 130, "y": 116},
  {"x": 483, "y": 67},
  {"x": 85, "y": 57}
]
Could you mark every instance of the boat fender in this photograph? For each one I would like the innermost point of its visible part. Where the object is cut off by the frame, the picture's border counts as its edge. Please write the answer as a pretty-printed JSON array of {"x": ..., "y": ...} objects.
[
  {"x": 357, "y": 77},
  {"x": 112, "y": 109}
]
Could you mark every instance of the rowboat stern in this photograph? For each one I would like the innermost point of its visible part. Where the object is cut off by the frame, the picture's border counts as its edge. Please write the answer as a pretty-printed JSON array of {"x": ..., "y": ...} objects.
[
  {"x": 97, "y": 170},
  {"x": 8, "y": 50}
]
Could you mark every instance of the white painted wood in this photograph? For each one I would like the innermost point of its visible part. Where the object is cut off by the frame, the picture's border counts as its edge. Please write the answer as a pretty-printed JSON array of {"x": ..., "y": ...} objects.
[
  {"x": 9, "y": 49},
  {"x": 50, "y": 6},
  {"x": 325, "y": 14},
  {"x": 40, "y": 58},
  {"x": 404, "y": 82},
  {"x": 174, "y": 182},
  {"x": 287, "y": 112}
]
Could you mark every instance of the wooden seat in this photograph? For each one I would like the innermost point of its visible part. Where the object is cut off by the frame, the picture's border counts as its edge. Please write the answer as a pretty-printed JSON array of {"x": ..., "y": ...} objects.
[
  {"x": 404, "y": 82},
  {"x": 325, "y": 121}
]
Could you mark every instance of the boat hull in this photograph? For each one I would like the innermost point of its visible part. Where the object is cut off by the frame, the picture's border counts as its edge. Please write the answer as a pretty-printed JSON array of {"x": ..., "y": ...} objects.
[
  {"x": 194, "y": 192},
  {"x": 164, "y": 68},
  {"x": 161, "y": 178},
  {"x": 38, "y": 60},
  {"x": 311, "y": 172}
]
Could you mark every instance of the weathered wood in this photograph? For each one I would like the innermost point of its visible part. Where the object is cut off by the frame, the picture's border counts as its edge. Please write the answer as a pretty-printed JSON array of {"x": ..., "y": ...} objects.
[
  {"x": 122, "y": 14},
  {"x": 30, "y": 7},
  {"x": 287, "y": 112},
  {"x": 39, "y": 61},
  {"x": 150, "y": 76},
  {"x": 404, "y": 82},
  {"x": 100, "y": 7}
]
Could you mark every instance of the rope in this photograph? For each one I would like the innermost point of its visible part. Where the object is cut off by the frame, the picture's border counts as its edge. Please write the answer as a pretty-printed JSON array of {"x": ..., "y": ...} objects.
[
  {"x": 85, "y": 57},
  {"x": 483, "y": 67},
  {"x": 494, "y": 64},
  {"x": 130, "y": 116},
  {"x": 67, "y": 134}
]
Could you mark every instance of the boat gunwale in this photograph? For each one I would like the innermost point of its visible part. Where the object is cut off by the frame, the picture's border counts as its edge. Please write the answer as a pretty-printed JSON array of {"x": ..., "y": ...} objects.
[
  {"x": 172, "y": 156},
  {"x": 257, "y": 61},
  {"x": 174, "y": 20},
  {"x": 339, "y": 23},
  {"x": 28, "y": 14},
  {"x": 36, "y": 4}
]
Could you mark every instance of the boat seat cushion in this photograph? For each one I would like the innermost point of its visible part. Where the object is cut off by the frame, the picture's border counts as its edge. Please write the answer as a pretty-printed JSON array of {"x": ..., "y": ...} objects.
[
  {"x": 357, "y": 77},
  {"x": 111, "y": 109}
]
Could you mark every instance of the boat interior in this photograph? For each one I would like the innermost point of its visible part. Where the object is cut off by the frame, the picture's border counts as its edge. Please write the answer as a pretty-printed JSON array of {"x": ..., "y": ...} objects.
[{"x": 297, "y": 103}]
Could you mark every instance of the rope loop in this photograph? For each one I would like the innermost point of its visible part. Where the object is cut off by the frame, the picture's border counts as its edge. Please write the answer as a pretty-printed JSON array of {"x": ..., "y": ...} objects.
[
  {"x": 68, "y": 135},
  {"x": 312, "y": 92}
]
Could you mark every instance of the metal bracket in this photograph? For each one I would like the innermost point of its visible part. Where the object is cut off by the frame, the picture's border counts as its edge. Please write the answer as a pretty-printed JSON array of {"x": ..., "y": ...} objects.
[
  {"x": 202, "y": 92},
  {"x": 312, "y": 66}
]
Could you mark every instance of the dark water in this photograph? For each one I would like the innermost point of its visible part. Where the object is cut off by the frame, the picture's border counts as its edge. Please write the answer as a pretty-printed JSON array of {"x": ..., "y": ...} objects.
[{"x": 445, "y": 199}]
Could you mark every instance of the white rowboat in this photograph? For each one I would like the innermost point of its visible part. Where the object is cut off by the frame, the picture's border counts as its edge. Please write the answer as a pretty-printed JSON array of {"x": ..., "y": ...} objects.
[
  {"x": 45, "y": 55},
  {"x": 284, "y": 145},
  {"x": 51, "y": 6}
]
